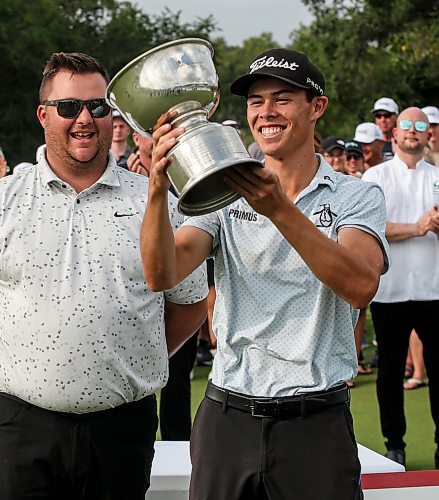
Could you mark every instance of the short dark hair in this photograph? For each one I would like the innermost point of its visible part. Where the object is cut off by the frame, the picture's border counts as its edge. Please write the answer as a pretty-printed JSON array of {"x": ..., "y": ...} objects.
[{"x": 75, "y": 62}]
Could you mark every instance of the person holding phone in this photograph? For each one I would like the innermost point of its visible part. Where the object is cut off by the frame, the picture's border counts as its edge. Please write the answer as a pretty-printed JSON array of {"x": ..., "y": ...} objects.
[{"x": 139, "y": 160}]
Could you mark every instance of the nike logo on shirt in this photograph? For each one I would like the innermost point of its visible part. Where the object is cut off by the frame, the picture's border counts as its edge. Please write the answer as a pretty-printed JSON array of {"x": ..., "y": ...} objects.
[{"x": 116, "y": 214}]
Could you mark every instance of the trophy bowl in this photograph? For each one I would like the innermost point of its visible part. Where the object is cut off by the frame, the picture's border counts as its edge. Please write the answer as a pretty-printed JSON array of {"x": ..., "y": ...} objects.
[{"x": 180, "y": 76}]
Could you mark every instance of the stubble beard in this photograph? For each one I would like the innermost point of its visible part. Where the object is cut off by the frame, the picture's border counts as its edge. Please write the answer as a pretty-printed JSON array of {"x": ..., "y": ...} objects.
[{"x": 411, "y": 148}]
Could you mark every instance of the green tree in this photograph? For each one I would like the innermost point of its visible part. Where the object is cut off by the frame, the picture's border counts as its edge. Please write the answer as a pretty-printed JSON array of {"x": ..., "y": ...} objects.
[
  {"x": 30, "y": 31},
  {"x": 368, "y": 49}
]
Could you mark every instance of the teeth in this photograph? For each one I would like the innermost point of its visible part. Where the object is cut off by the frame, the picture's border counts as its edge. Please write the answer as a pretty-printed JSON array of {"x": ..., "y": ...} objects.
[
  {"x": 269, "y": 131},
  {"x": 82, "y": 135}
]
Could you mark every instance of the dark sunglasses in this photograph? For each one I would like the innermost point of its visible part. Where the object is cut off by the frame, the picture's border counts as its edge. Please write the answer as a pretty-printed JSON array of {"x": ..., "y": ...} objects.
[
  {"x": 71, "y": 108},
  {"x": 420, "y": 126},
  {"x": 383, "y": 115},
  {"x": 353, "y": 156}
]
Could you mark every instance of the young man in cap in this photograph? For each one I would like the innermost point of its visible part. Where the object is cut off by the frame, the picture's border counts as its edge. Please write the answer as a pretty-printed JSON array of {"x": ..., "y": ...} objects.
[
  {"x": 408, "y": 296},
  {"x": 334, "y": 153},
  {"x": 386, "y": 112},
  {"x": 371, "y": 139},
  {"x": 294, "y": 258}
]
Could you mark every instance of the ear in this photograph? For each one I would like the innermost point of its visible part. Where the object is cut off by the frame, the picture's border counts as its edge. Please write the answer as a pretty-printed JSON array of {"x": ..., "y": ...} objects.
[
  {"x": 320, "y": 103},
  {"x": 42, "y": 114},
  {"x": 135, "y": 137}
]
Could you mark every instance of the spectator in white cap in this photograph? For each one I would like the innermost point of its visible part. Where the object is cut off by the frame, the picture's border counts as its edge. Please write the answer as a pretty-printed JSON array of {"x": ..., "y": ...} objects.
[
  {"x": 371, "y": 138},
  {"x": 432, "y": 149},
  {"x": 119, "y": 145},
  {"x": 386, "y": 112}
]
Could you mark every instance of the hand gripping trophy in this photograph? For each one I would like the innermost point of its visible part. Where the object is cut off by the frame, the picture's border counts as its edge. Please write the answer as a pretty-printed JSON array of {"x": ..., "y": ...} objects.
[{"x": 180, "y": 76}]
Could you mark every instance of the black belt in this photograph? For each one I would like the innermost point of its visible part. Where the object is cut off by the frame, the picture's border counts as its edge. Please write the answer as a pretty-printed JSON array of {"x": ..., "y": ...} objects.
[{"x": 291, "y": 406}]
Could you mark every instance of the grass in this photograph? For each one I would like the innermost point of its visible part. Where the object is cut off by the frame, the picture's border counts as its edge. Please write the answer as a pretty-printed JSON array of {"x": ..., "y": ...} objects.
[{"x": 420, "y": 429}]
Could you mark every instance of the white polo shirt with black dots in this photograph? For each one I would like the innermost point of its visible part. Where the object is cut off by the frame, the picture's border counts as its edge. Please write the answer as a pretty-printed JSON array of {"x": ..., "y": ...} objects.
[
  {"x": 280, "y": 330},
  {"x": 79, "y": 329}
]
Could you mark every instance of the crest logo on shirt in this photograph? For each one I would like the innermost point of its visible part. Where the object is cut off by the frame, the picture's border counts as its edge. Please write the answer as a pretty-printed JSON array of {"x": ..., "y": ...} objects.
[{"x": 326, "y": 216}]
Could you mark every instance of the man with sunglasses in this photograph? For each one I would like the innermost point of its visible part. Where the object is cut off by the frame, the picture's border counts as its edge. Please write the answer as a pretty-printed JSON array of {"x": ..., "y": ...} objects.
[
  {"x": 82, "y": 341},
  {"x": 386, "y": 112},
  {"x": 408, "y": 295}
]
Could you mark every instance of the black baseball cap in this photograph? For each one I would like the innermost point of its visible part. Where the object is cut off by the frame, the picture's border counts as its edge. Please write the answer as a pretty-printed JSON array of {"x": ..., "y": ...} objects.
[
  {"x": 354, "y": 146},
  {"x": 333, "y": 142},
  {"x": 287, "y": 65}
]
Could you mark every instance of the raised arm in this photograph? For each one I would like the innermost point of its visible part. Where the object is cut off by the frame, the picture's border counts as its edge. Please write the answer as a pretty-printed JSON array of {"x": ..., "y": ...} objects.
[{"x": 167, "y": 261}]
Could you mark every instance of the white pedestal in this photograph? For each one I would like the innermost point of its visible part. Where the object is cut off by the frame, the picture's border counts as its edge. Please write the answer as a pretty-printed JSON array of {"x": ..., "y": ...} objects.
[{"x": 171, "y": 469}]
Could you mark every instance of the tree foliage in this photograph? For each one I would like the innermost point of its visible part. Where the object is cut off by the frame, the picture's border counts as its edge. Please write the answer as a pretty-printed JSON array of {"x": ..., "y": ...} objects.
[
  {"x": 366, "y": 49},
  {"x": 30, "y": 31}
]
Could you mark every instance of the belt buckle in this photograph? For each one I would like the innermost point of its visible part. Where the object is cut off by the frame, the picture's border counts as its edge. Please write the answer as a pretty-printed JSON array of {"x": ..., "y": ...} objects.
[{"x": 257, "y": 408}]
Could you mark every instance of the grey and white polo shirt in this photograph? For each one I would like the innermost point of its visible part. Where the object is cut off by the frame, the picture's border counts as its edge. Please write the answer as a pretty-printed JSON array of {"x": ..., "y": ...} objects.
[
  {"x": 280, "y": 330},
  {"x": 79, "y": 329}
]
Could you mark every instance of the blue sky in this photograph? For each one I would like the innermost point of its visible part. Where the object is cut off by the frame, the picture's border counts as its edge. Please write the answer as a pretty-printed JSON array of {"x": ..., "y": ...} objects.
[{"x": 239, "y": 19}]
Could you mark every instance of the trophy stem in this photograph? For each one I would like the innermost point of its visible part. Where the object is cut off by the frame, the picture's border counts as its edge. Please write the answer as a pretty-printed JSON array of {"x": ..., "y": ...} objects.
[{"x": 191, "y": 120}]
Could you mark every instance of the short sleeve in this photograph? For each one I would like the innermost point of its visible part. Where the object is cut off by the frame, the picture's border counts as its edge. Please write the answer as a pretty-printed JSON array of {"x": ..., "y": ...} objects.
[
  {"x": 367, "y": 212},
  {"x": 210, "y": 223},
  {"x": 191, "y": 290}
]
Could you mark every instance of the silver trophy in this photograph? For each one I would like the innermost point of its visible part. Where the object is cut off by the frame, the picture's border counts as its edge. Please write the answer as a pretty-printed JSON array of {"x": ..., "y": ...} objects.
[{"x": 180, "y": 76}]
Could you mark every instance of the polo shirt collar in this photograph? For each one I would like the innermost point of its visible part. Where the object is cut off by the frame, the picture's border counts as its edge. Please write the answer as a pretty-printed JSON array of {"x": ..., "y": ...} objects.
[
  {"x": 110, "y": 177},
  {"x": 325, "y": 174},
  {"x": 404, "y": 166}
]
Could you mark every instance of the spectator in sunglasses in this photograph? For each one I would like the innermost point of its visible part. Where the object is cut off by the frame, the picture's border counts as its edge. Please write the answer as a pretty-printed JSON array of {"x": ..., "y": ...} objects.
[
  {"x": 82, "y": 337},
  {"x": 354, "y": 158},
  {"x": 386, "y": 112},
  {"x": 408, "y": 295},
  {"x": 334, "y": 152},
  {"x": 432, "y": 149}
]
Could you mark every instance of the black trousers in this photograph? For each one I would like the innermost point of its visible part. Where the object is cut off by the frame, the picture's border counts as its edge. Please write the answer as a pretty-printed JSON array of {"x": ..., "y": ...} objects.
[
  {"x": 175, "y": 397},
  {"x": 393, "y": 323},
  {"x": 237, "y": 456},
  {"x": 105, "y": 455}
]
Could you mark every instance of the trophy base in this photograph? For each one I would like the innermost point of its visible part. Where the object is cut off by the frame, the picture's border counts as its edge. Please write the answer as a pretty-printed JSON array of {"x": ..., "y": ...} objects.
[{"x": 199, "y": 163}]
